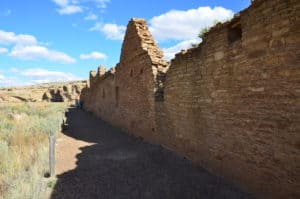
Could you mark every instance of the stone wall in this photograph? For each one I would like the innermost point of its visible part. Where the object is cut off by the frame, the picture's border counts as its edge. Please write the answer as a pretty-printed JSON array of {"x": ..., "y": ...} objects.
[
  {"x": 231, "y": 105},
  {"x": 124, "y": 95}
]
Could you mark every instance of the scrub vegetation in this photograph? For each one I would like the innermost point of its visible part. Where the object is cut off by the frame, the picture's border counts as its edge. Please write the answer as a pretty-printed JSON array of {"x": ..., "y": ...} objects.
[{"x": 24, "y": 147}]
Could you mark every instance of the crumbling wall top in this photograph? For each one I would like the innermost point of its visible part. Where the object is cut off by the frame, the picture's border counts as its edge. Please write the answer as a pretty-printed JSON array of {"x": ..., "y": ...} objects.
[
  {"x": 101, "y": 71},
  {"x": 138, "y": 40}
]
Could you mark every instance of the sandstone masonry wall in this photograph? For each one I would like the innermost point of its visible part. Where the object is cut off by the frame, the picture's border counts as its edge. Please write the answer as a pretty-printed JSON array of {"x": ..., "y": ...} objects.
[
  {"x": 124, "y": 96},
  {"x": 232, "y": 104}
]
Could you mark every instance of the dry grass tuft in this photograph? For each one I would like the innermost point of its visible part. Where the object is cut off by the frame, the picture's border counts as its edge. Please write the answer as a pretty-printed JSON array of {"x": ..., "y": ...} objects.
[{"x": 24, "y": 131}]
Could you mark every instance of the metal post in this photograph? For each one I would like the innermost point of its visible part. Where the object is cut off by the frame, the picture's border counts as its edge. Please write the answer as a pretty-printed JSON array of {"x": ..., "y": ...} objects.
[{"x": 52, "y": 155}]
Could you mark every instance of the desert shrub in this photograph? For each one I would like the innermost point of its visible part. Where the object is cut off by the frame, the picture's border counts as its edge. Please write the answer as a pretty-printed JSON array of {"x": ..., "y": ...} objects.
[{"x": 24, "y": 131}]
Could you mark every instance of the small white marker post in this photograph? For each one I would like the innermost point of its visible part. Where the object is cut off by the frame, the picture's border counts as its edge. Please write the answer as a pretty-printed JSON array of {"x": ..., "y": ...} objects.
[{"x": 52, "y": 155}]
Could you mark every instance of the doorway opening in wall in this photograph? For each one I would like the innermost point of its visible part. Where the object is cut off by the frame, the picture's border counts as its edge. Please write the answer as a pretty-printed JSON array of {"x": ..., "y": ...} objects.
[
  {"x": 117, "y": 96},
  {"x": 131, "y": 73},
  {"x": 234, "y": 31}
]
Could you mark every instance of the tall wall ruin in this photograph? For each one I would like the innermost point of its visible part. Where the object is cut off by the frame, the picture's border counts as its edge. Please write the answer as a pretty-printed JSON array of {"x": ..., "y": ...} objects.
[
  {"x": 123, "y": 96},
  {"x": 231, "y": 105}
]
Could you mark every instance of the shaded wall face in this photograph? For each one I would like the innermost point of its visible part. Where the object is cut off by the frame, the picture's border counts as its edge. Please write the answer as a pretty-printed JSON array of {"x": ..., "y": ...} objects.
[
  {"x": 126, "y": 99},
  {"x": 233, "y": 106},
  {"x": 100, "y": 99},
  {"x": 134, "y": 84}
]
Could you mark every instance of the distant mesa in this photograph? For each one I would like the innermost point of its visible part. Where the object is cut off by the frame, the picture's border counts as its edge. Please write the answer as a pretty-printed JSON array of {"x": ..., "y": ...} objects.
[{"x": 49, "y": 92}]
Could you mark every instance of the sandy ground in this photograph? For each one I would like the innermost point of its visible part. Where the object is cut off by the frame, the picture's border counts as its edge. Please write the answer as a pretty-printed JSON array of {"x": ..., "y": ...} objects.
[{"x": 67, "y": 149}]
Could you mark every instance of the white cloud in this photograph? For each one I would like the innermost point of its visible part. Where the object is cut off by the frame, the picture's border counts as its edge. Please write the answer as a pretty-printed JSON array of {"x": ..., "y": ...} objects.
[
  {"x": 40, "y": 75},
  {"x": 97, "y": 27},
  {"x": 111, "y": 31},
  {"x": 31, "y": 52},
  {"x": 35, "y": 76},
  {"x": 70, "y": 9},
  {"x": 11, "y": 38},
  {"x": 27, "y": 47},
  {"x": 91, "y": 17},
  {"x": 101, "y": 3},
  {"x": 3, "y": 50},
  {"x": 169, "y": 53},
  {"x": 67, "y": 8},
  {"x": 93, "y": 55},
  {"x": 14, "y": 70},
  {"x": 61, "y": 3},
  {"x": 9, "y": 81},
  {"x": 183, "y": 25}
]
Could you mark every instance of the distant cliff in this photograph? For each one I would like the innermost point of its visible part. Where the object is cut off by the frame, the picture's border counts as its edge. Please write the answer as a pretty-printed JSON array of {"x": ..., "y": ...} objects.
[{"x": 49, "y": 92}]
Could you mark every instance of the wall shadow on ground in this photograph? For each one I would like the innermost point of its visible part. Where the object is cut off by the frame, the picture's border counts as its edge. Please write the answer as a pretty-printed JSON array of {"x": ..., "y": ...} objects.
[{"x": 124, "y": 167}]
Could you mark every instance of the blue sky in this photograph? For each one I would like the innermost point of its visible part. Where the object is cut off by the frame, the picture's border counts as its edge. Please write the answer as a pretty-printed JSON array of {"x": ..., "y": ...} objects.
[{"x": 60, "y": 40}]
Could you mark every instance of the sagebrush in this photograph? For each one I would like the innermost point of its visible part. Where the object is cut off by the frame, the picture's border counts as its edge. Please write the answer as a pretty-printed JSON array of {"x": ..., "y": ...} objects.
[{"x": 24, "y": 132}]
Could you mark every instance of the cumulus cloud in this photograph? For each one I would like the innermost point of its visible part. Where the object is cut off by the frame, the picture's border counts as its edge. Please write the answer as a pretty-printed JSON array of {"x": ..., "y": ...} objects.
[
  {"x": 93, "y": 55},
  {"x": 14, "y": 70},
  {"x": 9, "y": 81},
  {"x": 8, "y": 38},
  {"x": 97, "y": 27},
  {"x": 183, "y": 25},
  {"x": 169, "y": 53},
  {"x": 67, "y": 7},
  {"x": 40, "y": 75},
  {"x": 61, "y": 3},
  {"x": 28, "y": 48},
  {"x": 111, "y": 31},
  {"x": 3, "y": 50},
  {"x": 70, "y": 9},
  {"x": 32, "y": 52},
  {"x": 35, "y": 76},
  {"x": 91, "y": 17},
  {"x": 101, "y": 3}
]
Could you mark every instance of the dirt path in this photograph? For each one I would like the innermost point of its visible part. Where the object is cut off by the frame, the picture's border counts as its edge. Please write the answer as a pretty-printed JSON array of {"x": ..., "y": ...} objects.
[
  {"x": 67, "y": 148},
  {"x": 96, "y": 160}
]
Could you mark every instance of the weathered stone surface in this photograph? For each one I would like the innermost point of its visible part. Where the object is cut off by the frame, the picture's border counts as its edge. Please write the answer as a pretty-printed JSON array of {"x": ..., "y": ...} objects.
[{"x": 231, "y": 104}]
